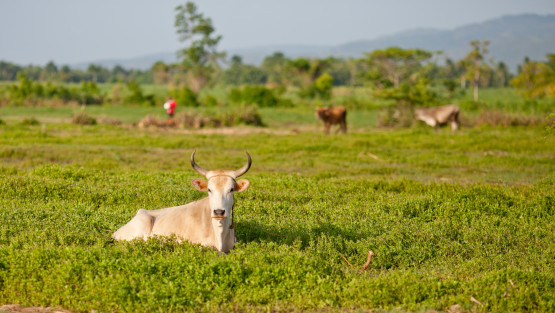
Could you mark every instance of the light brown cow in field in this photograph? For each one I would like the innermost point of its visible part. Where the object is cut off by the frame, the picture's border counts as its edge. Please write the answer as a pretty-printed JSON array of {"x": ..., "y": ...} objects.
[
  {"x": 207, "y": 221},
  {"x": 440, "y": 115},
  {"x": 335, "y": 115}
]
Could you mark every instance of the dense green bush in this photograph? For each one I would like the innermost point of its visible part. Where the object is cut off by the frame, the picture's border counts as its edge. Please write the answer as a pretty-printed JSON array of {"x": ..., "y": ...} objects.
[
  {"x": 421, "y": 95},
  {"x": 29, "y": 92},
  {"x": 321, "y": 88},
  {"x": 210, "y": 101},
  {"x": 32, "y": 121},
  {"x": 184, "y": 96},
  {"x": 256, "y": 95},
  {"x": 136, "y": 95}
]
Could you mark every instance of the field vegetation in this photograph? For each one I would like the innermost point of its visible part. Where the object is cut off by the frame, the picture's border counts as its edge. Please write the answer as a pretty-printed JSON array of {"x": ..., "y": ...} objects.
[{"x": 457, "y": 222}]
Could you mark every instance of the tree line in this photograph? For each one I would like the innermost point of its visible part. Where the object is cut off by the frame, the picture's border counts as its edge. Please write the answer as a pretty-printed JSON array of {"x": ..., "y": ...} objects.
[
  {"x": 276, "y": 69},
  {"x": 410, "y": 76},
  {"x": 381, "y": 69}
]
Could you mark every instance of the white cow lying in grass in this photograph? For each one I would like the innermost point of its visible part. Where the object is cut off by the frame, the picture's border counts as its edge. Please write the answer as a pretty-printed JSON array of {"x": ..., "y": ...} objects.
[{"x": 207, "y": 221}]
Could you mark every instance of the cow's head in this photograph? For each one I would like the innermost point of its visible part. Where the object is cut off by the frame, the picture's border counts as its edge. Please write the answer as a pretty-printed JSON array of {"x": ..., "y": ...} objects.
[
  {"x": 220, "y": 185},
  {"x": 322, "y": 112}
]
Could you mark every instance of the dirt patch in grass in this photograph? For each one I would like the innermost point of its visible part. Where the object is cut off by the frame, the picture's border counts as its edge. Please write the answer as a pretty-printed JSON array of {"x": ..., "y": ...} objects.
[{"x": 31, "y": 309}]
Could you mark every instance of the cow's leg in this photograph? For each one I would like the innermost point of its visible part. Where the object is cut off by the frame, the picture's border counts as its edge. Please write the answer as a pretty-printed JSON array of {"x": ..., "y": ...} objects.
[
  {"x": 344, "y": 127},
  {"x": 327, "y": 128},
  {"x": 139, "y": 226},
  {"x": 455, "y": 124}
]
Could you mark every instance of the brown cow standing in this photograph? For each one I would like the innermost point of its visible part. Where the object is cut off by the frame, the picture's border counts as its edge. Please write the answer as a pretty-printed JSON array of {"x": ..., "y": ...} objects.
[{"x": 336, "y": 115}]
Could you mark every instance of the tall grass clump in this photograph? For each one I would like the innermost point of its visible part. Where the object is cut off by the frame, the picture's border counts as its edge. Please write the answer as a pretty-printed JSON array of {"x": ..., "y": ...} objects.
[
  {"x": 31, "y": 121},
  {"x": 208, "y": 118},
  {"x": 82, "y": 118}
]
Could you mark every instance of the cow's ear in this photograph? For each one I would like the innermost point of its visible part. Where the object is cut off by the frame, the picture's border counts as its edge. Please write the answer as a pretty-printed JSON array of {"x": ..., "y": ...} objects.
[
  {"x": 241, "y": 185},
  {"x": 200, "y": 184}
]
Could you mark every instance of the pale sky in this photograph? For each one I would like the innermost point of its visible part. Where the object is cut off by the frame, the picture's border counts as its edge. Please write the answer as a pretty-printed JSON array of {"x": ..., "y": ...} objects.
[{"x": 73, "y": 31}]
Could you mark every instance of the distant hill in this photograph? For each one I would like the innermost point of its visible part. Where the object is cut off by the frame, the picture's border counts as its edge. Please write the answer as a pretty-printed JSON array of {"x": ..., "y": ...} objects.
[
  {"x": 512, "y": 38},
  {"x": 141, "y": 62}
]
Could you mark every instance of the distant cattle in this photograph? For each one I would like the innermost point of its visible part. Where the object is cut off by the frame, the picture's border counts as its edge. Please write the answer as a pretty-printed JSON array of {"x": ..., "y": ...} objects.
[
  {"x": 440, "y": 115},
  {"x": 335, "y": 115}
]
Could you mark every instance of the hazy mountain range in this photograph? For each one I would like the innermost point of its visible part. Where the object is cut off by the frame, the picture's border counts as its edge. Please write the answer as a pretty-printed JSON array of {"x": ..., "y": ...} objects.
[{"x": 512, "y": 38}]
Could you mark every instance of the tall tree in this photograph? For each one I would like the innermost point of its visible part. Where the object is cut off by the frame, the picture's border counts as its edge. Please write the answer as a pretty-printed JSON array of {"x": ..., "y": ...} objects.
[
  {"x": 160, "y": 72},
  {"x": 475, "y": 63},
  {"x": 50, "y": 71},
  {"x": 396, "y": 64},
  {"x": 119, "y": 74},
  {"x": 8, "y": 71},
  {"x": 300, "y": 70},
  {"x": 536, "y": 79},
  {"x": 274, "y": 66},
  {"x": 200, "y": 56},
  {"x": 95, "y": 71},
  {"x": 65, "y": 73},
  {"x": 239, "y": 73},
  {"x": 502, "y": 76}
]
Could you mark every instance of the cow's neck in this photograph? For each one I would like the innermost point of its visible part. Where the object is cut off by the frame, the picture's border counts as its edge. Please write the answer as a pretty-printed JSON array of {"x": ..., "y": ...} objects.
[{"x": 222, "y": 232}]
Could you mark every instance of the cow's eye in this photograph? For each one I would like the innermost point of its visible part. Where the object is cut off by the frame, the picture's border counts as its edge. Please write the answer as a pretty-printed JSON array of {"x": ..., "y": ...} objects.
[
  {"x": 231, "y": 190},
  {"x": 209, "y": 190}
]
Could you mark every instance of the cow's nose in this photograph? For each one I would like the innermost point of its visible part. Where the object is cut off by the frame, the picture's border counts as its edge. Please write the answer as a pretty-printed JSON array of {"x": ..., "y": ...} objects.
[{"x": 219, "y": 213}]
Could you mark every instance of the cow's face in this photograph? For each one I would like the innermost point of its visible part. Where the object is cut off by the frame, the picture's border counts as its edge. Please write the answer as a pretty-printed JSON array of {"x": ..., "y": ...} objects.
[
  {"x": 220, "y": 188},
  {"x": 322, "y": 113},
  {"x": 419, "y": 113}
]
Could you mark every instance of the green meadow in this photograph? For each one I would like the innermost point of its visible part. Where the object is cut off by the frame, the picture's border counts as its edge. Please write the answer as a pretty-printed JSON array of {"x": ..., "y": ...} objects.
[{"x": 461, "y": 222}]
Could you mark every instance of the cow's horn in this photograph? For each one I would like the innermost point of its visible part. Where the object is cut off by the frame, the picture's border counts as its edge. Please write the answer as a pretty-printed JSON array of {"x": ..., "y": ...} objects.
[
  {"x": 245, "y": 167},
  {"x": 197, "y": 168}
]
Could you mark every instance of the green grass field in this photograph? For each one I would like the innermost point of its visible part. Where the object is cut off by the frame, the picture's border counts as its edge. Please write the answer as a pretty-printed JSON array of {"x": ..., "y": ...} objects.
[{"x": 459, "y": 222}]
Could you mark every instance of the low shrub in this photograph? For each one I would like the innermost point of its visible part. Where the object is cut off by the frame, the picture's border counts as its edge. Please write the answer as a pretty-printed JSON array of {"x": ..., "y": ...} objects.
[
  {"x": 108, "y": 120},
  {"x": 82, "y": 118},
  {"x": 256, "y": 95},
  {"x": 396, "y": 116},
  {"x": 210, "y": 101},
  {"x": 242, "y": 116},
  {"x": 151, "y": 121},
  {"x": 29, "y": 121},
  {"x": 209, "y": 119},
  {"x": 226, "y": 118},
  {"x": 196, "y": 120},
  {"x": 136, "y": 95},
  {"x": 185, "y": 97}
]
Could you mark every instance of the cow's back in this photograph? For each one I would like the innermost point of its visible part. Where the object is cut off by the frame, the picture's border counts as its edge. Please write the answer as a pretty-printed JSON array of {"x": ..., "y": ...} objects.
[
  {"x": 446, "y": 113},
  {"x": 337, "y": 114}
]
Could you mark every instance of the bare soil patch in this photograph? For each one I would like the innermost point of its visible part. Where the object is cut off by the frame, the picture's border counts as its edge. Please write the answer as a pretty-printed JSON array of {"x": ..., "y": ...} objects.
[{"x": 16, "y": 308}]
